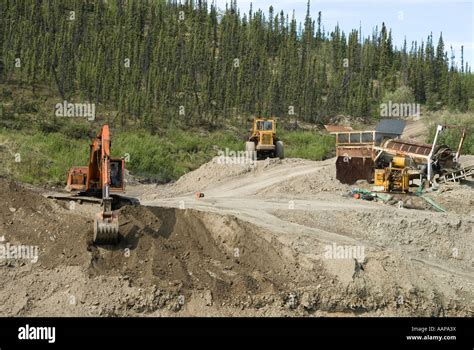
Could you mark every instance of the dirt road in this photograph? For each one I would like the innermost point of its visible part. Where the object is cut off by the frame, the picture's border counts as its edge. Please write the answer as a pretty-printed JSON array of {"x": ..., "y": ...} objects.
[{"x": 416, "y": 129}]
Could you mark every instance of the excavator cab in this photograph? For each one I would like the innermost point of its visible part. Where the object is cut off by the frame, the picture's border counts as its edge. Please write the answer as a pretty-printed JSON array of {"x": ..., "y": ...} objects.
[{"x": 117, "y": 167}]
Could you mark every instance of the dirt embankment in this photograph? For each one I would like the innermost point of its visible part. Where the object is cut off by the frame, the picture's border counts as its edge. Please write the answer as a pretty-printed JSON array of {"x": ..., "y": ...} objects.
[{"x": 168, "y": 261}]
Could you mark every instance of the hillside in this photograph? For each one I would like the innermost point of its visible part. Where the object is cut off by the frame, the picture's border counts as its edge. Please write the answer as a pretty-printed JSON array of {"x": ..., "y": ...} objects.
[{"x": 152, "y": 62}]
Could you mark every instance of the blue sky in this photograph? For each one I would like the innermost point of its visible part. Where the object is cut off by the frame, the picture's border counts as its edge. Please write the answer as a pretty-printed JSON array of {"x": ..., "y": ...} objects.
[{"x": 413, "y": 19}]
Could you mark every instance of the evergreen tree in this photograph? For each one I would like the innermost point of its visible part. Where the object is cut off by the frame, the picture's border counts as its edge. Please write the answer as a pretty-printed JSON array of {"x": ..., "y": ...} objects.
[{"x": 155, "y": 60}]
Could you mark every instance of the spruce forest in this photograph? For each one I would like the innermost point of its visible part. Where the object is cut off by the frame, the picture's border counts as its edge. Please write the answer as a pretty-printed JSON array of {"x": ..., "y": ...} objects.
[{"x": 154, "y": 61}]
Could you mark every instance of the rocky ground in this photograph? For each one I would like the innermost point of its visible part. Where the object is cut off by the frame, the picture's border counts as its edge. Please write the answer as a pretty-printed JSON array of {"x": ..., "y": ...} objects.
[{"x": 259, "y": 242}]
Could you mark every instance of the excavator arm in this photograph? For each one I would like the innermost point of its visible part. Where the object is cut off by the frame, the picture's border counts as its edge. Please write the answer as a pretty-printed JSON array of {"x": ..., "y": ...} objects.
[{"x": 106, "y": 222}]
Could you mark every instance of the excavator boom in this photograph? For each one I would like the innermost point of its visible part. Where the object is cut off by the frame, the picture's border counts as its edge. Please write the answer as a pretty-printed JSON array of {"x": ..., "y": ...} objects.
[{"x": 106, "y": 222}]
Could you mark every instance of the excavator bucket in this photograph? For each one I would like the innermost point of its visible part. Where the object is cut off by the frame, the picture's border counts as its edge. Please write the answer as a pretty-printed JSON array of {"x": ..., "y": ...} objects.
[{"x": 106, "y": 228}]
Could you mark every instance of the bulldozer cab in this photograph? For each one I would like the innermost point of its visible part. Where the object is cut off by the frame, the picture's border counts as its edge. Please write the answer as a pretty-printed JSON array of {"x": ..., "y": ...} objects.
[
  {"x": 265, "y": 125},
  {"x": 263, "y": 134},
  {"x": 264, "y": 131}
]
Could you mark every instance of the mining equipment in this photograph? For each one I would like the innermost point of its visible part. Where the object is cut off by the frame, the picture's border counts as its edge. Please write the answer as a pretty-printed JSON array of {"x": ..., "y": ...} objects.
[
  {"x": 263, "y": 140},
  {"x": 392, "y": 163}
]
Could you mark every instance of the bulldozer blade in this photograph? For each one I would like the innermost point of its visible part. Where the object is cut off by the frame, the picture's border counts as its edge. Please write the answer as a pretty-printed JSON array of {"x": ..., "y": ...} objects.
[{"x": 106, "y": 229}]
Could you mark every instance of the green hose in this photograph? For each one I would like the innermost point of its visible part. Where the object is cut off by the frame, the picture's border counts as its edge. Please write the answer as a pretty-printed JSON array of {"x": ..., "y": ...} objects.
[{"x": 434, "y": 204}]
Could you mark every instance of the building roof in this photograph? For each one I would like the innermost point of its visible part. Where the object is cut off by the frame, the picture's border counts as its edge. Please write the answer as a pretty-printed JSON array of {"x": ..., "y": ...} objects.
[{"x": 390, "y": 126}]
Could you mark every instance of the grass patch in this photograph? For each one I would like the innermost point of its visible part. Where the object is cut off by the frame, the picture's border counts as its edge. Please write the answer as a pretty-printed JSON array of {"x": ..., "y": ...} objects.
[
  {"x": 307, "y": 144},
  {"x": 41, "y": 158},
  {"x": 167, "y": 157},
  {"x": 46, "y": 157}
]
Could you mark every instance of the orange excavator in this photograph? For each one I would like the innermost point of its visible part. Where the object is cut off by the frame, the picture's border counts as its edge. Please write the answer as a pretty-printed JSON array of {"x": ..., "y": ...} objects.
[{"x": 100, "y": 178}]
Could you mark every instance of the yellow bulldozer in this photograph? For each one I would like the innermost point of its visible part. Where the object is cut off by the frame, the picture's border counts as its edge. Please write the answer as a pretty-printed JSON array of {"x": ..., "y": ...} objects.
[{"x": 263, "y": 142}]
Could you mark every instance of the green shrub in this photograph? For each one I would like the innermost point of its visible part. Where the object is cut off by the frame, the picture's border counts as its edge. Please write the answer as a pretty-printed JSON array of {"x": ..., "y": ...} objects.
[
  {"x": 403, "y": 94},
  {"x": 307, "y": 144},
  {"x": 452, "y": 136},
  {"x": 76, "y": 130}
]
